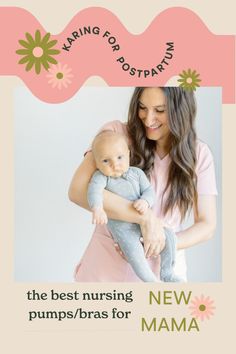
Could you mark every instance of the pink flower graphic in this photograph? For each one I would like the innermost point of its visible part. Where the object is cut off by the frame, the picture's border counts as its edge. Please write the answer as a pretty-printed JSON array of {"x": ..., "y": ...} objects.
[
  {"x": 202, "y": 307},
  {"x": 59, "y": 76}
]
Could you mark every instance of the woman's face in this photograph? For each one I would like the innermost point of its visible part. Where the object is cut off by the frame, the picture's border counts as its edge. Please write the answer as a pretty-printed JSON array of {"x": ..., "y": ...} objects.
[{"x": 153, "y": 113}]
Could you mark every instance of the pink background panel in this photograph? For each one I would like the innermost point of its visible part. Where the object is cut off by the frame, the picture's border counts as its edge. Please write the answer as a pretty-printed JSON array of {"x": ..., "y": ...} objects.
[{"x": 195, "y": 47}]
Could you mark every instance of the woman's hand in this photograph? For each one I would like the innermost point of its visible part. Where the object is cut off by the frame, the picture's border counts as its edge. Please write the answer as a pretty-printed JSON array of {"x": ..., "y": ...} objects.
[{"x": 153, "y": 234}]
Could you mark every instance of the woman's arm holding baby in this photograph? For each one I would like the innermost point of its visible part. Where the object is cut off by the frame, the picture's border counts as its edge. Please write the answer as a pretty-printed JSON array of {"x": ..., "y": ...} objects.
[
  {"x": 117, "y": 207},
  {"x": 79, "y": 184}
]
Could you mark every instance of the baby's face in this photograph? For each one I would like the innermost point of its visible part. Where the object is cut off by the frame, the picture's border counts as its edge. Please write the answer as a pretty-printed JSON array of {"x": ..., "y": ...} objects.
[{"x": 112, "y": 157}]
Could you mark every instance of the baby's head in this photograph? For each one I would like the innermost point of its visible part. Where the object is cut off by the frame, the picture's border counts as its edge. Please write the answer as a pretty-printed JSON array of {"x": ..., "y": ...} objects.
[{"x": 111, "y": 153}]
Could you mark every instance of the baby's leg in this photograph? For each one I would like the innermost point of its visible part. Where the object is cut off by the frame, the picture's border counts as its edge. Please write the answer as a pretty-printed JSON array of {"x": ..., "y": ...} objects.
[
  {"x": 127, "y": 235},
  {"x": 168, "y": 258}
]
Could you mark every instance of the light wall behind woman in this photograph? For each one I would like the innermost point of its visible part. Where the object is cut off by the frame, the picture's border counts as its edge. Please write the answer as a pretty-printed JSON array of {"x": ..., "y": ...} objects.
[{"x": 51, "y": 233}]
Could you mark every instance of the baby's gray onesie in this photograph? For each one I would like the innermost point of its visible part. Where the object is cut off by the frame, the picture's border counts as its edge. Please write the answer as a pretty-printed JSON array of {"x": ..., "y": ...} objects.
[{"x": 133, "y": 185}]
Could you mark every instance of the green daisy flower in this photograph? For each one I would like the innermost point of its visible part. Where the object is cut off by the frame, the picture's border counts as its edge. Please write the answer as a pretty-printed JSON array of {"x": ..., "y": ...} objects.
[
  {"x": 189, "y": 79},
  {"x": 37, "y": 51}
]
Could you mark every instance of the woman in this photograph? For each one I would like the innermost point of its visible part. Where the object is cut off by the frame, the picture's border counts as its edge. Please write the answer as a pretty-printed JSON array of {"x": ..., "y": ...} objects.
[{"x": 163, "y": 143}]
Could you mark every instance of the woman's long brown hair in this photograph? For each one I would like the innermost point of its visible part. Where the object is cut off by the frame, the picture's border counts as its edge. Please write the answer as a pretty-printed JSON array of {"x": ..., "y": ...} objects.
[{"x": 181, "y": 182}]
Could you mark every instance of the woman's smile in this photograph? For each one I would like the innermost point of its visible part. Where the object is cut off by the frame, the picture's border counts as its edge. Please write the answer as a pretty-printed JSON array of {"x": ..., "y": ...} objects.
[{"x": 153, "y": 127}]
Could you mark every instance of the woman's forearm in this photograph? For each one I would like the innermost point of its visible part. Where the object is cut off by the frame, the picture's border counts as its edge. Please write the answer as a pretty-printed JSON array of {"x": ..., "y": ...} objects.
[
  {"x": 204, "y": 223},
  {"x": 119, "y": 208},
  {"x": 199, "y": 232}
]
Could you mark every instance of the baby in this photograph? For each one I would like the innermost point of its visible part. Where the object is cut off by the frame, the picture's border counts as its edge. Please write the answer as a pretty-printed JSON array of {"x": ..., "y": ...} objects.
[{"x": 111, "y": 154}]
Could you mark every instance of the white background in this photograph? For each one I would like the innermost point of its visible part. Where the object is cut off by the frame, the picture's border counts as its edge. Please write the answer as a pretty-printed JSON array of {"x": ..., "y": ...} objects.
[{"x": 51, "y": 233}]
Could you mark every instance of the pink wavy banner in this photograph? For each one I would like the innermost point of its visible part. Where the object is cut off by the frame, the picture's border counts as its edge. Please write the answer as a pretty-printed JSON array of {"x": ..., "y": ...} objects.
[{"x": 95, "y": 42}]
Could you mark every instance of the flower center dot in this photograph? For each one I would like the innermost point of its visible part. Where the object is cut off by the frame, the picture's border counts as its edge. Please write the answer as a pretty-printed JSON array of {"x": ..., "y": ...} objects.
[
  {"x": 202, "y": 307},
  {"x": 59, "y": 76},
  {"x": 189, "y": 80},
  {"x": 38, "y": 52}
]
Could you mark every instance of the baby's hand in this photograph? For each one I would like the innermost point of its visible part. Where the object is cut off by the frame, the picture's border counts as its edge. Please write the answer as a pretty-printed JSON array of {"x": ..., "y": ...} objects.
[
  {"x": 141, "y": 205},
  {"x": 99, "y": 216}
]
